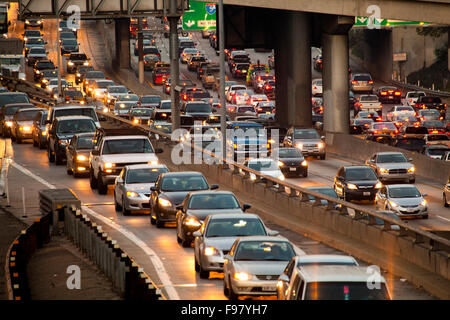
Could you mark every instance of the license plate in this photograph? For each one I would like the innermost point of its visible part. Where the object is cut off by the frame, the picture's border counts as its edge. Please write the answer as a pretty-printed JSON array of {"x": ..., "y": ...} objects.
[
  {"x": 268, "y": 289},
  {"x": 293, "y": 169},
  {"x": 366, "y": 193},
  {"x": 391, "y": 97}
]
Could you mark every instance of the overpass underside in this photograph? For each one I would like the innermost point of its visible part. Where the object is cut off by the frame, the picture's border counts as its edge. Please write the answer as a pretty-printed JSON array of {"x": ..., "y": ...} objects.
[{"x": 291, "y": 34}]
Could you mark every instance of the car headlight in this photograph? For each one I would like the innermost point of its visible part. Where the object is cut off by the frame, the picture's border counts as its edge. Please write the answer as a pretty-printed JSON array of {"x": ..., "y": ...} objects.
[
  {"x": 132, "y": 194},
  {"x": 25, "y": 128},
  {"x": 424, "y": 203},
  {"x": 393, "y": 204},
  {"x": 280, "y": 164},
  {"x": 192, "y": 222},
  {"x": 153, "y": 162},
  {"x": 38, "y": 72},
  {"x": 136, "y": 121},
  {"x": 352, "y": 186},
  {"x": 78, "y": 75},
  {"x": 383, "y": 170},
  {"x": 27, "y": 22},
  {"x": 304, "y": 163},
  {"x": 321, "y": 145},
  {"x": 108, "y": 165},
  {"x": 412, "y": 170},
  {"x": 81, "y": 157},
  {"x": 44, "y": 80},
  {"x": 164, "y": 202},
  {"x": 211, "y": 251},
  {"x": 70, "y": 63},
  {"x": 242, "y": 276},
  {"x": 378, "y": 185},
  {"x": 299, "y": 146},
  {"x": 105, "y": 109},
  {"x": 86, "y": 63},
  {"x": 9, "y": 123}
]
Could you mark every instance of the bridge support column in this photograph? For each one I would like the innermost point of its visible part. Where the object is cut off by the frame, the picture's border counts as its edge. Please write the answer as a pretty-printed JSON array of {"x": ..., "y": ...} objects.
[
  {"x": 335, "y": 73},
  {"x": 122, "y": 44},
  {"x": 293, "y": 69},
  {"x": 378, "y": 53}
]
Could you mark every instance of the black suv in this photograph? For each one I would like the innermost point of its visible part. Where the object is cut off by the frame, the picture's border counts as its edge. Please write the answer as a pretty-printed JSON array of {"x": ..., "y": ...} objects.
[
  {"x": 356, "y": 183},
  {"x": 41, "y": 65},
  {"x": 76, "y": 59}
]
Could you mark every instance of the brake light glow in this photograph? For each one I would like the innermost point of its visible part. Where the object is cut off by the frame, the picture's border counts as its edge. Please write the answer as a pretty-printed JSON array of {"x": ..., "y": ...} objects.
[
  {"x": 370, "y": 82},
  {"x": 397, "y": 93},
  {"x": 383, "y": 93}
]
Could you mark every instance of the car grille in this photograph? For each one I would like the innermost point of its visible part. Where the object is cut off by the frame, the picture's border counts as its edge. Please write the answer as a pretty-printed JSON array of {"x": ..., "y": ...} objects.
[
  {"x": 267, "y": 276},
  {"x": 119, "y": 166},
  {"x": 410, "y": 212},
  {"x": 397, "y": 171},
  {"x": 411, "y": 206},
  {"x": 146, "y": 205},
  {"x": 365, "y": 187}
]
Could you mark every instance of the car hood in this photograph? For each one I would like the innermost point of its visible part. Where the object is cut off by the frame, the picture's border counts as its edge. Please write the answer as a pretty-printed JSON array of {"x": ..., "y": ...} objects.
[
  {"x": 308, "y": 141},
  {"x": 407, "y": 201},
  {"x": 222, "y": 243},
  {"x": 175, "y": 197},
  {"x": 272, "y": 173},
  {"x": 261, "y": 267},
  {"x": 25, "y": 123},
  {"x": 139, "y": 187},
  {"x": 364, "y": 182},
  {"x": 129, "y": 157},
  {"x": 201, "y": 214},
  {"x": 291, "y": 161},
  {"x": 400, "y": 165},
  {"x": 65, "y": 136}
]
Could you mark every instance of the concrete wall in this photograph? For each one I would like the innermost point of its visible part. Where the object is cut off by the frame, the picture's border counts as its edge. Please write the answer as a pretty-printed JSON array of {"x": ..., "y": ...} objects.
[
  {"x": 419, "y": 50},
  {"x": 378, "y": 53},
  {"x": 346, "y": 145}
]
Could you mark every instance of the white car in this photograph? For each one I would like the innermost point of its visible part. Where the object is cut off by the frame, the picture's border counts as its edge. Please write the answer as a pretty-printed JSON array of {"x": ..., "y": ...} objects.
[
  {"x": 100, "y": 87},
  {"x": 412, "y": 96},
  {"x": 405, "y": 200},
  {"x": 255, "y": 265},
  {"x": 257, "y": 98},
  {"x": 316, "y": 87},
  {"x": 232, "y": 90},
  {"x": 53, "y": 83},
  {"x": 113, "y": 92},
  {"x": 242, "y": 97},
  {"x": 396, "y": 110},
  {"x": 368, "y": 102},
  {"x": 265, "y": 166}
]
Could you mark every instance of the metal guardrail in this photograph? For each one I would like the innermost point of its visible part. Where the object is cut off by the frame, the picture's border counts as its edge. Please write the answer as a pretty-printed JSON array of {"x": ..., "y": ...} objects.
[
  {"x": 420, "y": 236},
  {"x": 27, "y": 87},
  {"x": 417, "y": 88}
]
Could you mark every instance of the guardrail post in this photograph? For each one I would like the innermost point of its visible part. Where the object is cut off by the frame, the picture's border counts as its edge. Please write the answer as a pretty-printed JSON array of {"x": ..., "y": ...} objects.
[
  {"x": 358, "y": 215},
  {"x": 372, "y": 220}
]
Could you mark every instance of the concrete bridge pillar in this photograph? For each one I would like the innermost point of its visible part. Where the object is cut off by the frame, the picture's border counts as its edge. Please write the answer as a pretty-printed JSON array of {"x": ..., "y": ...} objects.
[
  {"x": 122, "y": 59},
  {"x": 335, "y": 73},
  {"x": 293, "y": 69}
]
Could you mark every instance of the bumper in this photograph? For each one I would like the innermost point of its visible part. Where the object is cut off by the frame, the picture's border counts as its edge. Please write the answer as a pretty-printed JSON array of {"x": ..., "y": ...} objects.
[
  {"x": 313, "y": 152},
  {"x": 361, "y": 194},
  {"x": 396, "y": 177},
  {"x": 25, "y": 134},
  {"x": 411, "y": 213},
  {"x": 390, "y": 100},
  {"x": 212, "y": 263},
  {"x": 255, "y": 287},
  {"x": 362, "y": 88},
  {"x": 294, "y": 170},
  {"x": 166, "y": 214},
  {"x": 137, "y": 204},
  {"x": 109, "y": 178}
]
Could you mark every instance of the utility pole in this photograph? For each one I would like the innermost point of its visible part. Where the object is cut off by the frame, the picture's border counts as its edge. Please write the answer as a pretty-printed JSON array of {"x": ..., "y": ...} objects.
[
  {"x": 59, "y": 57},
  {"x": 222, "y": 80},
  {"x": 173, "y": 18},
  {"x": 140, "y": 37}
]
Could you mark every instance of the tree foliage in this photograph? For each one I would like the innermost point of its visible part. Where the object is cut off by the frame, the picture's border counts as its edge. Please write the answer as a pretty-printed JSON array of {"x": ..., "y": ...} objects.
[{"x": 434, "y": 32}]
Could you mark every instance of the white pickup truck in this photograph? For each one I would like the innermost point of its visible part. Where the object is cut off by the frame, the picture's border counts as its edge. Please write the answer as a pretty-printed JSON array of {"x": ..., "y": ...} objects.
[
  {"x": 368, "y": 102},
  {"x": 112, "y": 153}
]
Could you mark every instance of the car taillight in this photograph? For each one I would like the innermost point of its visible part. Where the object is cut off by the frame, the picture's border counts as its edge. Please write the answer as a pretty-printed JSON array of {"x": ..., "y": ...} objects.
[
  {"x": 379, "y": 119},
  {"x": 268, "y": 87},
  {"x": 398, "y": 124},
  {"x": 383, "y": 93},
  {"x": 370, "y": 82},
  {"x": 376, "y": 131},
  {"x": 396, "y": 131},
  {"x": 354, "y": 82},
  {"x": 397, "y": 93}
]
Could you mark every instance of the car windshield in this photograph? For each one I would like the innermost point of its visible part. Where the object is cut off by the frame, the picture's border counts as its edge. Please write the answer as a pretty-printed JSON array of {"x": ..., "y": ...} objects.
[
  {"x": 199, "y": 95},
  {"x": 32, "y": 33},
  {"x": 86, "y": 142},
  {"x": 162, "y": 116},
  {"x": 263, "y": 165},
  {"x": 384, "y": 126},
  {"x": 429, "y": 124},
  {"x": 95, "y": 75},
  {"x": 117, "y": 89},
  {"x": 69, "y": 42},
  {"x": 78, "y": 56},
  {"x": 250, "y": 131},
  {"x": 404, "y": 109},
  {"x": 360, "y": 174},
  {"x": 104, "y": 84},
  {"x": 245, "y": 109},
  {"x": 89, "y": 112},
  {"x": 27, "y": 115},
  {"x": 264, "y": 251},
  {"x": 166, "y": 105},
  {"x": 437, "y": 137},
  {"x": 407, "y": 192},
  {"x": 37, "y": 50},
  {"x": 191, "y": 50},
  {"x": 141, "y": 112},
  {"x": 306, "y": 134},
  {"x": 35, "y": 41},
  {"x": 151, "y": 57},
  {"x": 391, "y": 158},
  {"x": 184, "y": 183},
  {"x": 121, "y": 146},
  {"x": 200, "y": 107},
  {"x": 344, "y": 291},
  {"x": 49, "y": 73},
  {"x": 414, "y": 143},
  {"x": 213, "y": 201},
  {"x": 67, "y": 35},
  {"x": 238, "y": 227},
  {"x": 151, "y": 99},
  {"x": 54, "y": 82},
  {"x": 45, "y": 65},
  {"x": 129, "y": 97},
  {"x": 436, "y": 152},
  {"x": 290, "y": 153},
  {"x": 76, "y": 126},
  {"x": 429, "y": 112},
  {"x": 362, "y": 121},
  {"x": 10, "y": 98},
  {"x": 144, "y": 175}
]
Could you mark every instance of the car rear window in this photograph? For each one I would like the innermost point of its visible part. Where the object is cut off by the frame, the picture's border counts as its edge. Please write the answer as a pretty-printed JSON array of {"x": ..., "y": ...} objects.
[{"x": 362, "y": 78}]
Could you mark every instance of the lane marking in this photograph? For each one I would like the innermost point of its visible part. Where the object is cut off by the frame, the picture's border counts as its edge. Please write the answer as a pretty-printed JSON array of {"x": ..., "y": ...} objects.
[
  {"x": 156, "y": 261},
  {"x": 442, "y": 218}
]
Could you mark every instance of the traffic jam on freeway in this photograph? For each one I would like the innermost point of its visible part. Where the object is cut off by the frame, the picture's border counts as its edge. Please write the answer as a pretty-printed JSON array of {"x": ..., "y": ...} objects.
[{"x": 227, "y": 249}]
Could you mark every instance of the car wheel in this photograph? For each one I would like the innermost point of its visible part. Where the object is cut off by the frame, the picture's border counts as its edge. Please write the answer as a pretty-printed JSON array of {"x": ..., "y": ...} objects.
[
  {"x": 226, "y": 291},
  {"x": 425, "y": 217},
  {"x": 69, "y": 171},
  {"x": 50, "y": 156},
  {"x": 305, "y": 174},
  {"x": 345, "y": 196},
  {"x": 444, "y": 198},
  {"x": 58, "y": 159},
  {"x": 117, "y": 206},
  {"x": 204, "y": 274},
  {"x": 102, "y": 187},
  {"x": 124, "y": 210},
  {"x": 159, "y": 224},
  {"x": 322, "y": 157},
  {"x": 18, "y": 140},
  {"x": 152, "y": 221},
  {"x": 35, "y": 144},
  {"x": 232, "y": 295},
  {"x": 196, "y": 264},
  {"x": 92, "y": 180},
  {"x": 412, "y": 180}
]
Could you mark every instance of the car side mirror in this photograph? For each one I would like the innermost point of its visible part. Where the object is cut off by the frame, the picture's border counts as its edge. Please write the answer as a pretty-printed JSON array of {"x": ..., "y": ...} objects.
[
  {"x": 95, "y": 152},
  {"x": 158, "y": 150},
  {"x": 424, "y": 194},
  {"x": 197, "y": 234},
  {"x": 214, "y": 187},
  {"x": 283, "y": 278},
  {"x": 119, "y": 180},
  {"x": 227, "y": 257},
  {"x": 410, "y": 159},
  {"x": 153, "y": 188},
  {"x": 246, "y": 206},
  {"x": 273, "y": 233}
]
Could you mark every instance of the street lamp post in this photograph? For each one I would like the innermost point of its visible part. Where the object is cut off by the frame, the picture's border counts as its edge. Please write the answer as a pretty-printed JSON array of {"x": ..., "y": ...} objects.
[{"x": 222, "y": 80}]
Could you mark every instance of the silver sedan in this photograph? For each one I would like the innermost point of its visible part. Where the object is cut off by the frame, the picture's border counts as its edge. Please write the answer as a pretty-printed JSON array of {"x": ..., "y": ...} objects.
[
  {"x": 217, "y": 235},
  {"x": 392, "y": 166},
  {"x": 132, "y": 187},
  {"x": 404, "y": 200},
  {"x": 254, "y": 265}
]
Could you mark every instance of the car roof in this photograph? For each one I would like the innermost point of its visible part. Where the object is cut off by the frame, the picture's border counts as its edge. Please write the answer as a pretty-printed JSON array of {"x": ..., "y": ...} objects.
[
  {"x": 146, "y": 166},
  {"x": 399, "y": 186},
  {"x": 183, "y": 173},
  {"x": 211, "y": 192},
  {"x": 85, "y": 134},
  {"x": 324, "y": 273},
  {"x": 225, "y": 216},
  {"x": 326, "y": 258},
  {"x": 357, "y": 167},
  {"x": 125, "y": 137},
  {"x": 63, "y": 118},
  {"x": 264, "y": 238},
  {"x": 385, "y": 153},
  {"x": 30, "y": 109},
  {"x": 71, "y": 107}
]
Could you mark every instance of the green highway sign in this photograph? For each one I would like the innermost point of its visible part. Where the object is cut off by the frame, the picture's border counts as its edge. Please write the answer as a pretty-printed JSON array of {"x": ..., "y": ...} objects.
[
  {"x": 364, "y": 21},
  {"x": 200, "y": 16}
]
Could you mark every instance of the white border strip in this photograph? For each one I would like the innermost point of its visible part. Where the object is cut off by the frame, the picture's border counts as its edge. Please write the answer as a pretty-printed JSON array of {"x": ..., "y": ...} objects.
[{"x": 156, "y": 261}]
